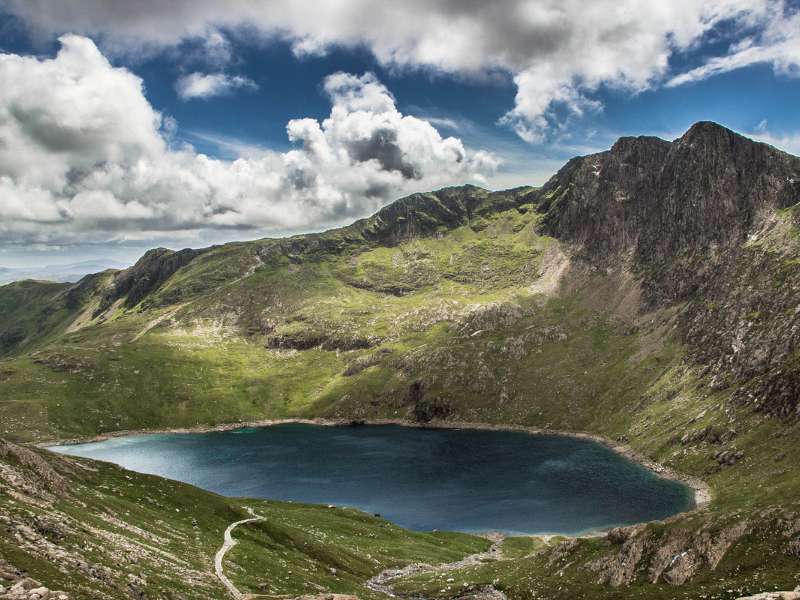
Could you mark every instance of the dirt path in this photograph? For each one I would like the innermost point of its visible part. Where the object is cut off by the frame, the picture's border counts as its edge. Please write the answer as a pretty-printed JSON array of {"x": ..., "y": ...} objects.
[
  {"x": 382, "y": 581},
  {"x": 229, "y": 543}
]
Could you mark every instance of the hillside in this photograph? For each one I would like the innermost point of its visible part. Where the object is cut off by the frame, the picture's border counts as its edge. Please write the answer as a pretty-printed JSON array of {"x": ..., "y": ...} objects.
[
  {"x": 648, "y": 294},
  {"x": 97, "y": 531}
]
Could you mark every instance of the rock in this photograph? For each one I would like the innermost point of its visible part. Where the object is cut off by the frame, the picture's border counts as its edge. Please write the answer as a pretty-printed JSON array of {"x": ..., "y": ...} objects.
[
  {"x": 780, "y": 456},
  {"x": 326, "y": 597},
  {"x": 619, "y": 535},
  {"x": 482, "y": 593},
  {"x": 619, "y": 569},
  {"x": 25, "y": 584},
  {"x": 674, "y": 557},
  {"x": 146, "y": 276},
  {"x": 795, "y": 595},
  {"x": 426, "y": 409},
  {"x": 49, "y": 528},
  {"x": 728, "y": 458}
]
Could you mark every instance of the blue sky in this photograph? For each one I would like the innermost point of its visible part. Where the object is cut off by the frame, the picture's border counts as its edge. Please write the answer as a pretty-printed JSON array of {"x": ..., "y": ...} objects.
[{"x": 509, "y": 113}]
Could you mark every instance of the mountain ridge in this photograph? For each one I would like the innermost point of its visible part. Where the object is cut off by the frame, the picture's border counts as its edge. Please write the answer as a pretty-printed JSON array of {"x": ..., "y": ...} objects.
[{"x": 647, "y": 294}]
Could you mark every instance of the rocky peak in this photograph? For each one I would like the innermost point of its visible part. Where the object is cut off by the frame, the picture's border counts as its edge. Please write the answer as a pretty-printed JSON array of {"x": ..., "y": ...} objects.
[
  {"x": 668, "y": 204},
  {"x": 147, "y": 275},
  {"x": 424, "y": 214}
]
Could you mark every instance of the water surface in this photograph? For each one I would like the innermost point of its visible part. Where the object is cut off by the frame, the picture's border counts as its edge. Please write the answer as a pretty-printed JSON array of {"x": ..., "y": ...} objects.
[{"x": 463, "y": 480}]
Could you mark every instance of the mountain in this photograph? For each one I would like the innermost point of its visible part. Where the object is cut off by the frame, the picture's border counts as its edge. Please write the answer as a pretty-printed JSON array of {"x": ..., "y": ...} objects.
[
  {"x": 647, "y": 294},
  {"x": 61, "y": 273}
]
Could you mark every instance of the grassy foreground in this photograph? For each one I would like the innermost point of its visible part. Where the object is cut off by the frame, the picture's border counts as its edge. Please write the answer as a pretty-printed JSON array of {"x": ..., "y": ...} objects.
[{"x": 98, "y": 531}]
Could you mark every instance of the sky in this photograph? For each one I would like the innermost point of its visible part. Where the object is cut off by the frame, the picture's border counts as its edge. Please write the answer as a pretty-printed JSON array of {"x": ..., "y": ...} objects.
[{"x": 128, "y": 125}]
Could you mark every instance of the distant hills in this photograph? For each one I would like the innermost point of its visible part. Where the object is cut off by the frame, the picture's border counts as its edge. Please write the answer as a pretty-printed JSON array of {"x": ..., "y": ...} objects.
[{"x": 70, "y": 272}]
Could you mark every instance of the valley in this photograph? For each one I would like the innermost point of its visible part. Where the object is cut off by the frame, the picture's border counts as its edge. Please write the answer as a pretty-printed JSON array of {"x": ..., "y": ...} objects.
[{"x": 647, "y": 294}]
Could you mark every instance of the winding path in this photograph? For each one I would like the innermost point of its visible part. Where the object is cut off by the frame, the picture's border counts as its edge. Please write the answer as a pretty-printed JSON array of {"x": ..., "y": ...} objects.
[
  {"x": 229, "y": 543},
  {"x": 382, "y": 581}
]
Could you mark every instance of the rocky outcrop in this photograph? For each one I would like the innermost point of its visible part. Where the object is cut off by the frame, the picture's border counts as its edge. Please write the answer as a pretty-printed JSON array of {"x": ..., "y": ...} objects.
[
  {"x": 743, "y": 326},
  {"x": 423, "y": 408},
  {"x": 146, "y": 276},
  {"x": 365, "y": 362},
  {"x": 306, "y": 339},
  {"x": 26, "y": 588},
  {"x": 673, "y": 558},
  {"x": 794, "y": 595},
  {"x": 31, "y": 473}
]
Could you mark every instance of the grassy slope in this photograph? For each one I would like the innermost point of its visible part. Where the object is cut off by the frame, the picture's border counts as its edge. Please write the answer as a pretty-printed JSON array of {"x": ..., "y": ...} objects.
[
  {"x": 109, "y": 527},
  {"x": 28, "y": 313},
  {"x": 456, "y": 313}
]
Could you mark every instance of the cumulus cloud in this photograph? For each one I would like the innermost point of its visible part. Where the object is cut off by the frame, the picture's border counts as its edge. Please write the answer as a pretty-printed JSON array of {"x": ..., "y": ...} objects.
[
  {"x": 84, "y": 157},
  {"x": 558, "y": 51},
  {"x": 207, "y": 85}
]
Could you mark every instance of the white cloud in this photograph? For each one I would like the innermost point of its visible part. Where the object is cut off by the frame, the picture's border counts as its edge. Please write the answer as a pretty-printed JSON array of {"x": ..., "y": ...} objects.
[
  {"x": 559, "y": 52},
  {"x": 216, "y": 48},
  {"x": 207, "y": 85},
  {"x": 786, "y": 141},
  {"x": 61, "y": 117},
  {"x": 777, "y": 43},
  {"x": 84, "y": 157}
]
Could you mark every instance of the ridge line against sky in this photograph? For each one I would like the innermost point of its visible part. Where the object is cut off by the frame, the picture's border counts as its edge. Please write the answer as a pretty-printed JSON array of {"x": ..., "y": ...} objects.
[{"x": 193, "y": 122}]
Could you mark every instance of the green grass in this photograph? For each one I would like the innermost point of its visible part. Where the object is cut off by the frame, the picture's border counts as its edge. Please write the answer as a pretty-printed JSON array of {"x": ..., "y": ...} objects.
[
  {"x": 450, "y": 314},
  {"x": 743, "y": 572},
  {"x": 124, "y": 525},
  {"x": 311, "y": 549}
]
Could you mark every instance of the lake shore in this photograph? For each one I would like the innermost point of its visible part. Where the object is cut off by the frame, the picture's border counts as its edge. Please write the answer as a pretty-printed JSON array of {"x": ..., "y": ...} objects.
[{"x": 702, "y": 492}]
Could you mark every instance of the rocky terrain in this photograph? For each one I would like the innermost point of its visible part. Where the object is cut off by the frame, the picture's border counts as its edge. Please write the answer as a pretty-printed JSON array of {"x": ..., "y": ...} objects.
[{"x": 649, "y": 294}]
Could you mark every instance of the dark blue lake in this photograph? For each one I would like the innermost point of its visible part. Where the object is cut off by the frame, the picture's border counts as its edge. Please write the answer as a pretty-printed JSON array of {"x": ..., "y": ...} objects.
[{"x": 464, "y": 480}]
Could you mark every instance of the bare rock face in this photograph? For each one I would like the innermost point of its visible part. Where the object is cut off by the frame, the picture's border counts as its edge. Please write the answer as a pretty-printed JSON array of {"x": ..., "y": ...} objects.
[
  {"x": 674, "y": 558},
  {"x": 620, "y": 569},
  {"x": 669, "y": 206},
  {"x": 146, "y": 276},
  {"x": 744, "y": 324},
  {"x": 699, "y": 221}
]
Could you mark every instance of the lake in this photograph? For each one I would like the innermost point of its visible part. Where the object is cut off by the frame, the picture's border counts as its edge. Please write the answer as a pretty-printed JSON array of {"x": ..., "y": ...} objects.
[{"x": 423, "y": 479}]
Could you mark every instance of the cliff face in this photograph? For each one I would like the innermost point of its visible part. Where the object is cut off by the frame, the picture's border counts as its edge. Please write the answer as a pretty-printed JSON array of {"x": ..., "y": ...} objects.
[
  {"x": 699, "y": 221},
  {"x": 147, "y": 275},
  {"x": 669, "y": 207},
  {"x": 743, "y": 323}
]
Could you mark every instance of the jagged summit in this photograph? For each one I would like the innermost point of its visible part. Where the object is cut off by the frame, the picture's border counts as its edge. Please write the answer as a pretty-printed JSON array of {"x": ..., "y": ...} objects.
[
  {"x": 706, "y": 128},
  {"x": 706, "y": 133},
  {"x": 655, "y": 199}
]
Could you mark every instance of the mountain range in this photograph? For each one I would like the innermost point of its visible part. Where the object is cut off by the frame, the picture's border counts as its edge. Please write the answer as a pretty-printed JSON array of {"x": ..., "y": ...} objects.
[
  {"x": 649, "y": 294},
  {"x": 70, "y": 272}
]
